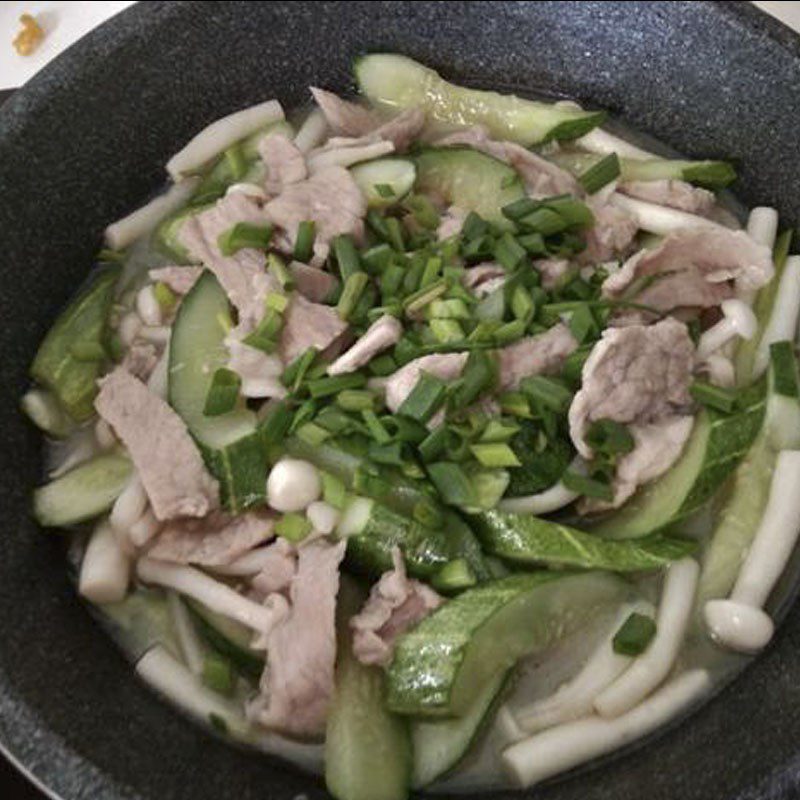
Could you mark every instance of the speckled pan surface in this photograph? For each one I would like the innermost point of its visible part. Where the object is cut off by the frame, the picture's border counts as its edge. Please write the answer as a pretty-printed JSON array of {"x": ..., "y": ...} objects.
[{"x": 86, "y": 141}]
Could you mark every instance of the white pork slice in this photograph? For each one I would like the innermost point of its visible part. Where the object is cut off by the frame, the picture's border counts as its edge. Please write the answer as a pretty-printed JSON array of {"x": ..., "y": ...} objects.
[
  {"x": 612, "y": 233},
  {"x": 166, "y": 458},
  {"x": 241, "y": 275},
  {"x": 383, "y": 333},
  {"x": 671, "y": 193},
  {"x": 307, "y": 324},
  {"x": 543, "y": 354},
  {"x": 215, "y": 541},
  {"x": 330, "y": 198},
  {"x": 298, "y": 681},
  {"x": 451, "y": 223},
  {"x": 179, "y": 279},
  {"x": 284, "y": 162},
  {"x": 483, "y": 279},
  {"x": 140, "y": 359},
  {"x": 693, "y": 268},
  {"x": 313, "y": 283},
  {"x": 400, "y": 384},
  {"x": 395, "y": 604},
  {"x": 353, "y": 120},
  {"x": 552, "y": 271},
  {"x": 278, "y": 568},
  {"x": 260, "y": 372}
]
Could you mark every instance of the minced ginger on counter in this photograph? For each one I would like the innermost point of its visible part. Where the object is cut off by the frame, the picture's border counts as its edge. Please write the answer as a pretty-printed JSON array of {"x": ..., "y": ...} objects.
[{"x": 28, "y": 39}]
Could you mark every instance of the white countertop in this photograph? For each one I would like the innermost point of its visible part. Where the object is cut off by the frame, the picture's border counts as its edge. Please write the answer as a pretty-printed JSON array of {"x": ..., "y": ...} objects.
[{"x": 65, "y": 22}]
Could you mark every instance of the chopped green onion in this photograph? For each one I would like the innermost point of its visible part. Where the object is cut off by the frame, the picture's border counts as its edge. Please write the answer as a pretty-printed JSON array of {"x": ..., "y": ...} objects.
[
  {"x": 346, "y": 256},
  {"x": 265, "y": 336},
  {"x": 304, "y": 241},
  {"x": 277, "y": 301},
  {"x": 276, "y": 423},
  {"x": 378, "y": 258},
  {"x": 609, "y": 437},
  {"x": 547, "y": 392},
  {"x": 395, "y": 234},
  {"x": 165, "y": 297},
  {"x": 498, "y": 431},
  {"x": 366, "y": 480},
  {"x": 242, "y": 235},
  {"x": 334, "y": 491},
  {"x": 509, "y": 332},
  {"x": 354, "y": 287},
  {"x": 454, "y": 576},
  {"x": 544, "y": 221},
  {"x": 446, "y": 330},
  {"x": 382, "y": 365},
  {"x": 218, "y": 673},
  {"x": 293, "y": 527},
  {"x": 88, "y": 351},
  {"x": 508, "y": 251},
  {"x": 583, "y": 325},
  {"x": 366, "y": 304},
  {"x": 479, "y": 249},
  {"x": 335, "y": 420},
  {"x": 115, "y": 348},
  {"x": 515, "y": 404},
  {"x": 378, "y": 224},
  {"x": 423, "y": 211},
  {"x": 427, "y": 513},
  {"x": 235, "y": 161},
  {"x": 432, "y": 446},
  {"x": 478, "y": 376},
  {"x": 109, "y": 256},
  {"x": 313, "y": 434},
  {"x": 495, "y": 454},
  {"x": 713, "y": 396},
  {"x": 222, "y": 393},
  {"x": 431, "y": 271},
  {"x": 533, "y": 244},
  {"x": 390, "y": 281},
  {"x": 295, "y": 372},
  {"x": 356, "y": 400},
  {"x": 425, "y": 398},
  {"x": 600, "y": 173},
  {"x": 520, "y": 208},
  {"x": 375, "y": 427},
  {"x": 277, "y": 268},
  {"x": 390, "y": 454},
  {"x": 448, "y": 309},
  {"x": 405, "y": 429},
  {"x": 573, "y": 366},
  {"x": 452, "y": 483},
  {"x": 418, "y": 300},
  {"x": 474, "y": 227},
  {"x": 589, "y": 487},
  {"x": 303, "y": 414},
  {"x": 575, "y": 213},
  {"x": 522, "y": 305},
  {"x": 324, "y": 387},
  {"x": 384, "y": 190},
  {"x": 635, "y": 635}
]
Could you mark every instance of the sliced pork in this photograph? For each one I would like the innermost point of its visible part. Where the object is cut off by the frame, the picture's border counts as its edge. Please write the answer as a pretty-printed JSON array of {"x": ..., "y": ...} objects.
[
  {"x": 285, "y": 163},
  {"x": 399, "y": 385},
  {"x": 484, "y": 279},
  {"x": 278, "y": 569},
  {"x": 382, "y": 334},
  {"x": 141, "y": 359},
  {"x": 611, "y": 235},
  {"x": 166, "y": 458},
  {"x": 179, "y": 279},
  {"x": 451, "y": 223},
  {"x": 543, "y": 354},
  {"x": 307, "y": 324},
  {"x": 671, "y": 193},
  {"x": 260, "y": 372},
  {"x": 313, "y": 283},
  {"x": 552, "y": 271},
  {"x": 396, "y": 603}
]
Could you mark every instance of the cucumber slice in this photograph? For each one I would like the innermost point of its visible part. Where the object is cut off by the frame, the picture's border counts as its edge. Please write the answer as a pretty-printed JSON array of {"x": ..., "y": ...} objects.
[
  {"x": 82, "y": 325},
  {"x": 717, "y": 444},
  {"x": 227, "y": 637},
  {"x": 525, "y": 539},
  {"x": 398, "y": 82},
  {"x": 470, "y": 180},
  {"x": 83, "y": 493},
  {"x": 165, "y": 238},
  {"x": 367, "y": 749},
  {"x": 441, "y": 665},
  {"x": 384, "y": 181},
  {"x": 230, "y": 442},
  {"x": 440, "y": 745}
]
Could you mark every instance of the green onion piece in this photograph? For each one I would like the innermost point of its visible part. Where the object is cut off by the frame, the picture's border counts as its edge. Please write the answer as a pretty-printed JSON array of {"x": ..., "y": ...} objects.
[
  {"x": 583, "y": 325},
  {"x": 334, "y": 491},
  {"x": 277, "y": 301},
  {"x": 218, "y": 673},
  {"x": 432, "y": 446},
  {"x": 425, "y": 398},
  {"x": 375, "y": 427},
  {"x": 385, "y": 190},
  {"x": 589, "y": 487},
  {"x": 382, "y": 365},
  {"x": 293, "y": 527},
  {"x": 390, "y": 454},
  {"x": 312, "y": 433},
  {"x": 265, "y": 336},
  {"x": 418, "y": 300},
  {"x": 369, "y": 482},
  {"x": 404, "y": 429},
  {"x": 244, "y": 234},
  {"x": 395, "y": 234},
  {"x": 575, "y": 213},
  {"x": 427, "y": 513},
  {"x": 109, "y": 256},
  {"x": 573, "y": 366},
  {"x": 474, "y": 227},
  {"x": 635, "y": 635},
  {"x": 235, "y": 161},
  {"x": 295, "y": 372},
  {"x": 498, "y": 431},
  {"x": 454, "y": 308},
  {"x": 600, "y": 173},
  {"x": 355, "y": 400},
  {"x": 544, "y": 221},
  {"x": 304, "y": 241},
  {"x": 115, "y": 348},
  {"x": 713, "y": 396},
  {"x": 578, "y": 289},
  {"x": 446, "y": 330},
  {"x": 478, "y": 249},
  {"x": 276, "y": 422},
  {"x": 423, "y": 211},
  {"x": 324, "y": 387},
  {"x": 303, "y": 414},
  {"x": 354, "y": 287},
  {"x": 520, "y": 208},
  {"x": 165, "y": 297},
  {"x": 547, "y": 392},
  {"x": 783, "y": 364},
  {"x": 609, "y": 437},
  {"x": 478, "y": 376},
  {"x": 522, "y": 305},
  {"x": 88, "y": 351},
  {"x": 276, "y": 267},
  {"x": 452, "y": 483},
  {"x": 454, "y": 576},
  {"x": 222, "y": 393},
  {"x": 346, "y": 256},
  {"x": 366, "y": 304},
  {"x": 509, "y": 332},
  {"x": 335, "y": 420},
  {"x": 515, "y": 404},
  {"x": 508, "y": 252},
  {"x": 390, "y": 282},
  {"x": 431, "y": 272},
  {"x": 378, "y": 224},
  {"x": 533, "y": 244},
  {"x": 378, "y": 258},
  {"x": 495, "y": 454}
]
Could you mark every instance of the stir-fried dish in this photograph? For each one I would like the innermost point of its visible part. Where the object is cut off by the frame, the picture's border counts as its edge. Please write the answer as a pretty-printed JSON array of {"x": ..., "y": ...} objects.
[{"x": 440, "y": 438}]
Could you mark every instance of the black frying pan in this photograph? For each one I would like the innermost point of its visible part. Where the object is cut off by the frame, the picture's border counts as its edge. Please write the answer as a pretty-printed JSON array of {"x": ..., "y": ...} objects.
[{"x": 86, "y": 141}]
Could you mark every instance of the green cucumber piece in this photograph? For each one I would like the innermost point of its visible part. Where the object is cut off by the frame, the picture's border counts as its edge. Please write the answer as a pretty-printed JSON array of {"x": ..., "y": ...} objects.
[
  {"x": 228, "y": 637},
  {"x": 367, "y": 749},
  {"x": 166, "y": 239},
  {"x": 444, "y": 662},
  {"x": 384, "y": 181},
  {"x": 83, "y": 493},
  {"x": 716, "y": 445},
  {"x": 398, "y": 82},
  {"x": 440, "y": 745},
  {"x": 470, "y": 180},
  {"x": 230, "y": 442},
  {"x": 82, "y": 325},
  {"x": 527, "y": 540}
]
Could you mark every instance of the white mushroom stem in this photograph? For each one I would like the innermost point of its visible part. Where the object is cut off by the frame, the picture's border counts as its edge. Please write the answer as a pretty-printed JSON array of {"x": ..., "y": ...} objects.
[
  {"x": 106, "y": 569},
  {"x": 44, "y": 411},
  {"x": 312, "y": 132},
  {"x": 248, "y": 190},
  {"x": 762, "y": 225},
  {"x": 784, "y": 317},
  {"x": 649, "y": 670},
  {"x": 740, "y": 623},
  {"x": 120, "y": 234},
  {"x": 157, "y": 334},
  {"x": 347, "y": 156},
  {"x": 557, "y": 496},
  {"x": 575, "y": 698},
  {"x": 739, "y": 320},
  {"x": 657, "y": 219},
  {"x": 566, "y": 746},
  {"x": 158, "y": 382},
  {"x": 507, "y": 724},
  {"x": 604, "y": 143},
  {"x": 192, "y": 648},
  {"x": 148, "y": 307},
  {"x": 213, "y": 594},
  {"x": 221, "y": 134},
  {"x": 161, "y": 670},
  {"x": 129, "y": 506},
  {"x": 144, "y": 529},
  {"x": 382, "y": 334}
]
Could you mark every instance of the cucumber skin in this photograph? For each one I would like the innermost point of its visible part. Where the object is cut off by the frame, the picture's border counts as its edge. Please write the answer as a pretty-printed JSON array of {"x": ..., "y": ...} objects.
[{"x": 440, "y": 665}]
